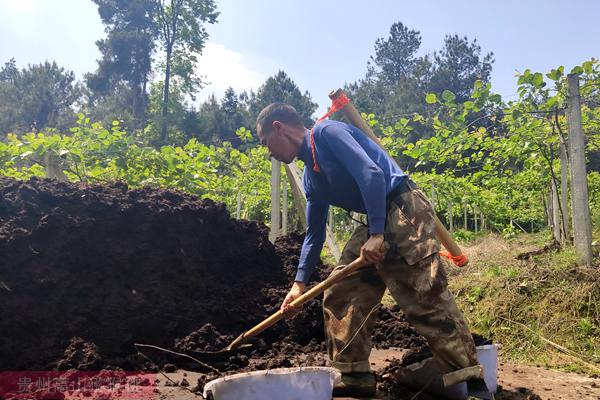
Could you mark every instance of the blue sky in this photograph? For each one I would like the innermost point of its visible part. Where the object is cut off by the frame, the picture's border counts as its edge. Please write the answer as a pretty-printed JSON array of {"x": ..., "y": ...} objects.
[{"x": 321, "y": 44}]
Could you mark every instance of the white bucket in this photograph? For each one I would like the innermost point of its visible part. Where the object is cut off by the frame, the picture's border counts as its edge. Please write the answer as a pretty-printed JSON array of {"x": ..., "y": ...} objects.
[
  {"x": 315, "y": 383},
  {"x": 424, "y": 374}
]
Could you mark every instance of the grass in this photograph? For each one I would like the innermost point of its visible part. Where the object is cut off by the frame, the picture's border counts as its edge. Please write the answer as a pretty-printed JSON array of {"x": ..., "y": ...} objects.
[
  {"x": 524, "y": 305},
  {"x": 521, "y": 303}
]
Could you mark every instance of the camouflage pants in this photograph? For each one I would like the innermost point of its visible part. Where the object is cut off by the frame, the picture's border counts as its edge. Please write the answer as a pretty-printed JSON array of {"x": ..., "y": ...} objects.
[{"x": 415, "y": 277}]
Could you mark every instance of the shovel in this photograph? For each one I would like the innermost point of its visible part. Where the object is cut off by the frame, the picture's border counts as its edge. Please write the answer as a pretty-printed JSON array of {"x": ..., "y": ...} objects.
[{"x": 240, "y": 342}]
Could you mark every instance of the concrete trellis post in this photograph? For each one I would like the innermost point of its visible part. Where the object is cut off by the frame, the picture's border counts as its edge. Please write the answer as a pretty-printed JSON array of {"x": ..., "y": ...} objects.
[
  {"x": 556, "y": 220},
  {"x": 564, "y": 192},
  {"x": 284, "y": 217},
  {"x": 275, "y": 199},
  {"x": 238, "y": 208},
  {"x": 579, "y": 190},
  {"x": 450, "y": 220}
]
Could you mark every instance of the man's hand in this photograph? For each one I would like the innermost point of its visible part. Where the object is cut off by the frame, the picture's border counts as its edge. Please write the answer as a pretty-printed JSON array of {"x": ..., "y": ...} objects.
[
  {"x": 295, "y": 292},
  {"x": 373, "y": 251}
]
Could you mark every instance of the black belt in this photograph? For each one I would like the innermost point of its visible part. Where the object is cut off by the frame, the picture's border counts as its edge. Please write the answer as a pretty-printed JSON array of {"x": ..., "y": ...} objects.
[{"x": 405, "y": 186}]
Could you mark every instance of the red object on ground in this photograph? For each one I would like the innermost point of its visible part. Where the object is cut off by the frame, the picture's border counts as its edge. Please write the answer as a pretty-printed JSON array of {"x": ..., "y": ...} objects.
[{"x": 459, "y": 260}]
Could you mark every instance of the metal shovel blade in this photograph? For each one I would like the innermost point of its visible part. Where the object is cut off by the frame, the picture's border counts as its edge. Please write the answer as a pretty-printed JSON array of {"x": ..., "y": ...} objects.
[{"x": 221, "y": 355}]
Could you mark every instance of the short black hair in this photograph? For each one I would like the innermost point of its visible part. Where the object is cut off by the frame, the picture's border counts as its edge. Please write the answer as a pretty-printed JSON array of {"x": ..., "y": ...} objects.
[{"x": 278, "y": 112}]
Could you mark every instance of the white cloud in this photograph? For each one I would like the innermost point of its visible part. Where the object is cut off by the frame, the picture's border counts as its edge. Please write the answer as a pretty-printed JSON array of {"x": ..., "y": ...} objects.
[
  {"x": 20, "y": 5},
  {"x": 221, "y": 68}
]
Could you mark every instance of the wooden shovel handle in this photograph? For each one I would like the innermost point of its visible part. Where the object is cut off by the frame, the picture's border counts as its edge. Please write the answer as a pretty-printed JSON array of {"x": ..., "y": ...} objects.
[{"x": 309, "y": 295}]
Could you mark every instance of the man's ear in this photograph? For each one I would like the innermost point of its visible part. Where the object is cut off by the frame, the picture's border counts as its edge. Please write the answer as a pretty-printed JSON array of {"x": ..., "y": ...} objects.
[{"x": 277, "y": 126}]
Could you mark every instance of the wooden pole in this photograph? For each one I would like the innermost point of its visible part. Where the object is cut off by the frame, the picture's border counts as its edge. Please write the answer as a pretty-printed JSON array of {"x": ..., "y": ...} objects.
[
  {"x": 579, "y": 190},
  {"x": 354, "y": 117},
  {"x": 475, "y": 211},
  {"x": 295, "y": 179},
  {"x": 275, "y": 199},
  {"x": 465, "y": 216}
]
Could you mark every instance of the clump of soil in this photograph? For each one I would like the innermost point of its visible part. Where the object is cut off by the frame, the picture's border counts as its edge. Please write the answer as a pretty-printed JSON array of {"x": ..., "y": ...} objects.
[
  {"x": 81, "y": 355},
  {"x": 549, "y": 248},
  {"x": 207, "y": 338}
]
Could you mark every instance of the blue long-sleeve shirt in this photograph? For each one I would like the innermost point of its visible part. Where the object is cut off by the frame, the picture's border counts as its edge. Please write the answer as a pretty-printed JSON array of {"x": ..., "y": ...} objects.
[{"x": 356, "y": 174}]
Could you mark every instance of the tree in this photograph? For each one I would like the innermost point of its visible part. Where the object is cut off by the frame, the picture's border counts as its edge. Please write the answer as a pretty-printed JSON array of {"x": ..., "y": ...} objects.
[
  {"x": 281, "y": 88},
  {"x": 395, "y": 57},
  {"x": 9, "y": 71},
  {"x": 118, "y": 87},
  {"x": 397, "y": 79},
  {"x": 235, "y": 116},
  {"x": 458, "y": 65},
  {"x": 37, "y": 97},
  {"x": 182, "y": 37}
]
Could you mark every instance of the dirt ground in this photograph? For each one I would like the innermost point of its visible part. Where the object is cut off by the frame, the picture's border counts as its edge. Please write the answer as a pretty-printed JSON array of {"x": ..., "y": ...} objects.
[{"x": 516, "y": 382}]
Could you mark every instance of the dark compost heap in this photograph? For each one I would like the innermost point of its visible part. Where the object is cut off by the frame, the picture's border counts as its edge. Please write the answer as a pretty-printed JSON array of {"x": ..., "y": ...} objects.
[{"x": 89, "y": 270}]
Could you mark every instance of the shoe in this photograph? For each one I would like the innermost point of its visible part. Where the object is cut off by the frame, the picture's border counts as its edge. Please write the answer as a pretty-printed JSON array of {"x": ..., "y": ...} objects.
[{"x": 355, "y": 385}]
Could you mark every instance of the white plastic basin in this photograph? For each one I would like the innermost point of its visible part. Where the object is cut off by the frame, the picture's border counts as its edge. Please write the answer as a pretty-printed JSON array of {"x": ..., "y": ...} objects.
[
  {"x": 315, "y": 383},
  {"x": 425, "y": 374}
]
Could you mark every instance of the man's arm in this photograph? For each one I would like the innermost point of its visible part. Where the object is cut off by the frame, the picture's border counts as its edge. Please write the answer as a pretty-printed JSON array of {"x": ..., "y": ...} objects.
[{"x": 316, "y": 221}]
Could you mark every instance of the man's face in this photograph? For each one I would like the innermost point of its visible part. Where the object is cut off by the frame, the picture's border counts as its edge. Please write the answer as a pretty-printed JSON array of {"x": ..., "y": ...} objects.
[{"x": 277, "y": 140}]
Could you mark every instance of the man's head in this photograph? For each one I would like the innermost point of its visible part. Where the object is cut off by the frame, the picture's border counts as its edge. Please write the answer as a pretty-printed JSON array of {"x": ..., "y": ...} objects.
[{"x": 280, "y": 128}]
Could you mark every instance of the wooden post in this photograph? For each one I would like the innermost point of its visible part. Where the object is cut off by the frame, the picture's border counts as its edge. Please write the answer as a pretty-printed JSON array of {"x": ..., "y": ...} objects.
[
  {"x": 354, "y": 117},
  {"x": 465, "y": 216},
  {"x": 579, "y": 190},
  {"x": 475, "y": 211},
  {"x": 556, "y": 220},
  {"x": 284, "y": 220},
  {"x": 275, "y": 199},
  {"x": 238, "y": 208},
  {"x": 564, "y": 192}
]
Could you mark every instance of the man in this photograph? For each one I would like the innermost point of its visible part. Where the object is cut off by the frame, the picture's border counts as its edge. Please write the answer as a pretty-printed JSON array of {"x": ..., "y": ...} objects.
[{"x": 343, "y": 167}]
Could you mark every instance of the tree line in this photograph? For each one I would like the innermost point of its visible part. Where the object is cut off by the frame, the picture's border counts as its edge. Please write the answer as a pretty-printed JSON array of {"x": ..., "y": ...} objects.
[{"x": 146, "y": 79}]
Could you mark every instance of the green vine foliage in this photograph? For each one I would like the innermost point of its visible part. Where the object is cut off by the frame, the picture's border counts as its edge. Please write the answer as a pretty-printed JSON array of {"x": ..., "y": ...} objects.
[
  {"x": 499, "y": 157},
  {"x": 493, "y": 156},
  {"x": 92, "y": 153}
]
